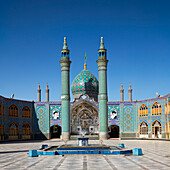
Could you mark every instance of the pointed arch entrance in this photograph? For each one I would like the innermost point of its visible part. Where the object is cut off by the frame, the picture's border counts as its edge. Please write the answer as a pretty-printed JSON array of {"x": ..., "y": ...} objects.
[
  {"x": 143, "y": 130},
  {"x": 156, "y": 129},
  {"x": 84, "y": 118},
  {"x": 55, "y": 131},
  {"x": 113, "y": 131}
]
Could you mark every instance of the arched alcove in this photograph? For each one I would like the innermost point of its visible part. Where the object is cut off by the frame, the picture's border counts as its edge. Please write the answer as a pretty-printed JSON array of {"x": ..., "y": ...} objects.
[
  {"x": 55, "y": 131},
  {"x": 84, "y": 118},
  {"x": 113, "y": 131}
]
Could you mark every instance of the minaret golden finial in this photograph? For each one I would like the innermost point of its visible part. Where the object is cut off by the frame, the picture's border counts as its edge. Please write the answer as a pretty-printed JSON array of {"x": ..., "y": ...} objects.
[
  {"x": 102, "y": 44},
  {"x": 65, "y": 44},
  {"x": 101, "y": 39}
]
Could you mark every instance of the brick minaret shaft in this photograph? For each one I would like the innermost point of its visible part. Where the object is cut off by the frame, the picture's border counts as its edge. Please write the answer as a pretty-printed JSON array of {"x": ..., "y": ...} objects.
[
  {"x": 47, "y": 93},
  {"x": 103, "y": 110},
  {"x": 65, "y": 91},
  {"x": 130, "y": 92},
  {"x": 121, "y": 93},
  {"x": 39, "y": 93}
]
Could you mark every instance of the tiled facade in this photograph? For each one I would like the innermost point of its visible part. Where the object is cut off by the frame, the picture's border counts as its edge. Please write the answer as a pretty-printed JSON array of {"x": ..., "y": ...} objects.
[
  {"x": 128, "y": 118},
  {"x": 15, "y": 122}
]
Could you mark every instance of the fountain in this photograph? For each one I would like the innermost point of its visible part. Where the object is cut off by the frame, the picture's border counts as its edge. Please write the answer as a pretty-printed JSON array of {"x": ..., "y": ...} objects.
[
  {"x": 84, "y": 148},
  {"x": 83, "y": 141}
]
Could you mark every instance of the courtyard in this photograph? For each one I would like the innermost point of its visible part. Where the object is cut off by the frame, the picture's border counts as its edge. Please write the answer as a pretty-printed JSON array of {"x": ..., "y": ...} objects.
[{"x": 14, "y": 155}]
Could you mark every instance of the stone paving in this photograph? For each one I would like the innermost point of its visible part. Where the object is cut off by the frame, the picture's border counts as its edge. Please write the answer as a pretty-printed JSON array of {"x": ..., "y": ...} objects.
[{"x": 14, "y": 155}]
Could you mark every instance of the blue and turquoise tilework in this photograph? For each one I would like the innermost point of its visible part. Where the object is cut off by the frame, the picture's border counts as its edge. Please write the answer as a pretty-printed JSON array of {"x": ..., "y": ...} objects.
[
  {"x": 128, "y": 118},
  {"x": 42, "y": 112},
  {"x": 84, "y": 82}
]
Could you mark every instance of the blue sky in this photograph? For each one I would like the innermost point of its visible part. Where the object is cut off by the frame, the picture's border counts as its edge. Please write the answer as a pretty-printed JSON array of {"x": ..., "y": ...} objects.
[{"x": 136, "y": 34}]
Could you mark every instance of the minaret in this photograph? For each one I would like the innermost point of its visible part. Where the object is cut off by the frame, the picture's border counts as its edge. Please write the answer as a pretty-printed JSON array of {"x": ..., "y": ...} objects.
[
  {"x": 130, "y": 92},
  {"x": 121, "y": 93},
  {"x": 47, "y": 93},
  {"x": 103, "y": 110},
  {"x": 39, "y": 93},
  {"x": 65, "y": 91}
]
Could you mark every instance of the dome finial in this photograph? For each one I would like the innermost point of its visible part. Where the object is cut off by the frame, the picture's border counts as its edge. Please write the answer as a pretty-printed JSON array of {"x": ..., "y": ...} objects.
[
  {"x": 38, "y": 85},
  {"x": 65, "y": 44},
  {"x": 102, "y": 44},
  {"x": 85, "y": 65},
  {"x": 121, "y": 86}
]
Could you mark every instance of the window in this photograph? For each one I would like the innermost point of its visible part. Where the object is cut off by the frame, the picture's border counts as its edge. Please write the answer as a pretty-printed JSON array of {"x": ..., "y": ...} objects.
[
  {"x": 26, "y": 131},
  {"x": 143, "y": 128},
  {"x": 13, "y": 131},
  {"x": 26, "y": 112},
  {"x": 156, "y": 109},
  {"x": 13, "y": 111},
  {"x": 2, "y": 110},
  {"x": 143, "y": 110}
]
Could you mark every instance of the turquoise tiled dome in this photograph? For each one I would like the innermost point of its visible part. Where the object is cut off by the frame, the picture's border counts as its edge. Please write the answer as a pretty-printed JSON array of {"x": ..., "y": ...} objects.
[{"x": 85, "y": 83}]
